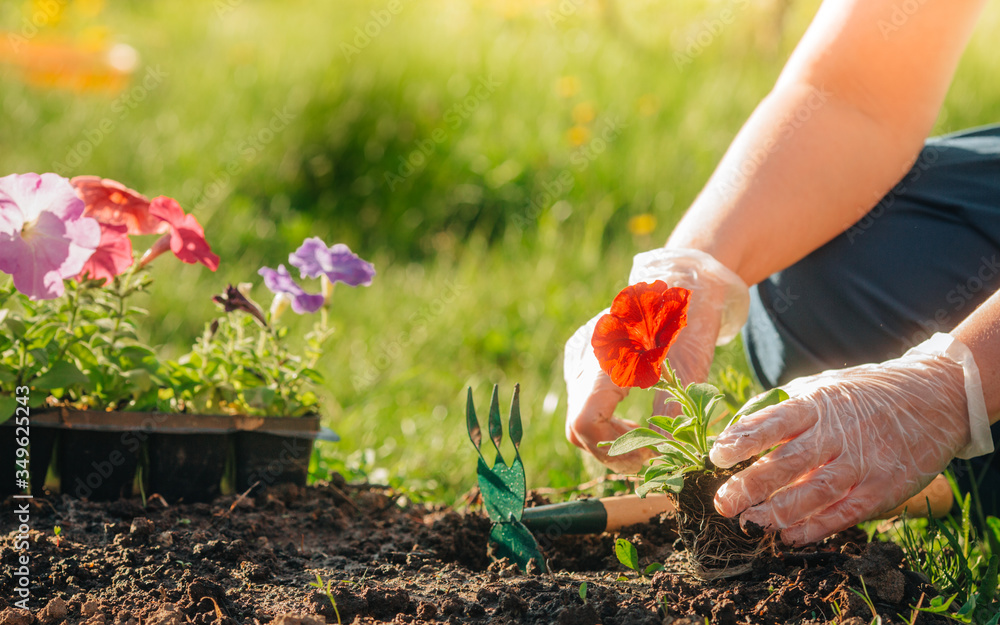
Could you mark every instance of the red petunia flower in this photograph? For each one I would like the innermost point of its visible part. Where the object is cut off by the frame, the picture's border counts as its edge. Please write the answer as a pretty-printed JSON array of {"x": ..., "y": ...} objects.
[
  {"x": 112, "y": 256},
  {"x": 110, "y": 202},
  {"x": 187, "y": 237},
  {"x": 631, "y": 341}
]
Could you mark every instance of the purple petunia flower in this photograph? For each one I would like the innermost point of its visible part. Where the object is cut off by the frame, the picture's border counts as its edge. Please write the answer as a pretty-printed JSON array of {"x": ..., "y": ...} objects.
[
  {"x": 44, "y": 237},
  {"x": 280, "y": 281},
  {"x": 338, "y": 263}
]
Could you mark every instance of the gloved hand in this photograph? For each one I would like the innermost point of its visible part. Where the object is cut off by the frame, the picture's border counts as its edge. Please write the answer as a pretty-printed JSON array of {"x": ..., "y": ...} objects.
[
  {"x": 854, "y": 442},
  {"x": 719, "y": 304}
]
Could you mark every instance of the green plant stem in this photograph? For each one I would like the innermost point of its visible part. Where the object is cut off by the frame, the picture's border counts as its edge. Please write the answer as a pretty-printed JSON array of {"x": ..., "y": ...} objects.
[
  {"x": 121, "y": 284},
  {"x": 74, "y": 307},
  {"x": 671, "y": 384}
]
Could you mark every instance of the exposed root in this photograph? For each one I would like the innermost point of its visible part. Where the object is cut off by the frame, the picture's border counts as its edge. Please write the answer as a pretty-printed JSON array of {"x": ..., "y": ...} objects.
[{"x": 717, "y": 546}]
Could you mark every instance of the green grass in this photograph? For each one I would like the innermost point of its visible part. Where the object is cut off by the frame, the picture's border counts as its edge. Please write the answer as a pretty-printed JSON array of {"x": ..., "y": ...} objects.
[
  {"x": 959, "y": 557},
  {"x": 506, "y": 238}
]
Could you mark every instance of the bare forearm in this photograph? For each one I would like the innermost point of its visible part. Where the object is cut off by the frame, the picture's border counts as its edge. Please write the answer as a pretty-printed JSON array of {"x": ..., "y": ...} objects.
[
  {"x": 805, "y": 167},
  {"x": 846, "y": 119},
  {"x": 981, "y": 334}
]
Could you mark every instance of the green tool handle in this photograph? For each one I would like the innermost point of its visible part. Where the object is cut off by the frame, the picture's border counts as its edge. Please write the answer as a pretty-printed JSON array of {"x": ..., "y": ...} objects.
[{"x": 593, "y": 516}]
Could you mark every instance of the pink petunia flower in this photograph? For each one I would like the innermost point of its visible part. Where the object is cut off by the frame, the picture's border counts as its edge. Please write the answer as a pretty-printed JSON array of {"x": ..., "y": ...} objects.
[{"x": 44, "y": 236}]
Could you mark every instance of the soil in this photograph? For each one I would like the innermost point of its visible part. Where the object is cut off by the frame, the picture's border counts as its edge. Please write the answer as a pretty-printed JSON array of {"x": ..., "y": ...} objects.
[{"x": 251, "y": 560}]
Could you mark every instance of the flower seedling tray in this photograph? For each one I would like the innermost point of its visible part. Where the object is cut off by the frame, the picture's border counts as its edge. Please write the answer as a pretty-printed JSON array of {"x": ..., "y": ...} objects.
[
  {"x": 42, "y": 435},
  {"x": 273, "y": 450},
  {"x": 186, "y": 456}
]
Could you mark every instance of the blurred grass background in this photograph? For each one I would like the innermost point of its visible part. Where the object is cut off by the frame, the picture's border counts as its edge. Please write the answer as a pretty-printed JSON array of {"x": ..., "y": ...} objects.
[{"x": 499, "y": 161}]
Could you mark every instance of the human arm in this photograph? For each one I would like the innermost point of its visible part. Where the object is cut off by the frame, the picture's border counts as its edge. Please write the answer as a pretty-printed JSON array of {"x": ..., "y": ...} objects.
[
  {"x": 980, "y": 331},
  {"x": 844, "y": 122},
  {"x": 842, "y": 125}
]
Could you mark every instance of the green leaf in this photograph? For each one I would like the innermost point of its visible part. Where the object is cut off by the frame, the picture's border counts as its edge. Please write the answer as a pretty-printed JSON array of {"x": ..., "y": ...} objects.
[
  {"x": 39, "y": 356},
  {"x": 662, "y": 422},
  {"x": 687, "y": 422},
  {"x": 636, "y": 439},
  {"x": 16, "y": 326},
  {"x": 583, "y": 591},
  {"x": 652, "y": 568},
  {"x": 62, "y": 374},
  {"x": 687, "y": 435},
  {"x": 8, "y": 405},
  {"x": 656, "y": 471},
  {"x": 627, "y": 554},
  {"x": 84, "y": 354},
  {"x": 672, "y": 483},
  {"x": 770, "y": 398},
  {"x": 969, "y": 606},
  {"x": 312, "y": 375},
  {"x": 988, "y": 583},
  {"x": 939, "y": 605},
  {"x": 702, "y": 394},
  {"x": 7, "y": 374}
]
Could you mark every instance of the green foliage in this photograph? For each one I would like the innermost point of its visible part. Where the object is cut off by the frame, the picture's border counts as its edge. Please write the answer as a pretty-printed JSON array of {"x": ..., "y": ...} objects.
[
  {"x": 629, "y": 556},
  {"x": 684, "y": 446},
  {"x": 327, "y": 590},
  {"x": 240, "y": 366},
  {"x": 81, "y": 349},
  {"x": 583, "y": 592},
  {"x": 958, "y": 562},
  {"x": 84, "y": 350}
]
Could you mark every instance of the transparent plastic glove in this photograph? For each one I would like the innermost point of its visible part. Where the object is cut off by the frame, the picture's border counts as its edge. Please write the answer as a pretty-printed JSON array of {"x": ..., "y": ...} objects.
[
  {"x": 854, "y": 442},
  {"x": 719, "y": 304}
]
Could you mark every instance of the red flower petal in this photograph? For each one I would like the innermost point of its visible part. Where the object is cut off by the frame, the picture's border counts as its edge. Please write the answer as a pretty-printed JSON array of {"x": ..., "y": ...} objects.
[
  {"x": 112, "y": 256},
  {"x": 187, "y": 238},
  {"x": 112, "y": 203},
  {"x": 631, "y": 341}
]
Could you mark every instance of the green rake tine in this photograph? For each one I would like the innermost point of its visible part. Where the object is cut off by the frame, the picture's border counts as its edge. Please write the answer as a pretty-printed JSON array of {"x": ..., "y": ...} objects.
[
  {"x": 496, "y": 428},
  {"x": 514, "y": 426},
  {"x": 472, "y": 423}
]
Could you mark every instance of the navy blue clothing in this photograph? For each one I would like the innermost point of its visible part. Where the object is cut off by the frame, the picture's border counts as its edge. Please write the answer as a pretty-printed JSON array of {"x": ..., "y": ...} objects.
[{"x": 918, "y": 263}]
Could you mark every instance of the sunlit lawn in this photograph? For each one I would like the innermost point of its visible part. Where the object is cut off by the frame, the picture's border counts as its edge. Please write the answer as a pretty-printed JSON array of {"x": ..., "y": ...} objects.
[{"x": 499, "y": 162}]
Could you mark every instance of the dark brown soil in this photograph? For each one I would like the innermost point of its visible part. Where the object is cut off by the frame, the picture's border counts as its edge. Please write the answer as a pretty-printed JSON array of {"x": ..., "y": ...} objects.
[{"x": 252, "y": 560}]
